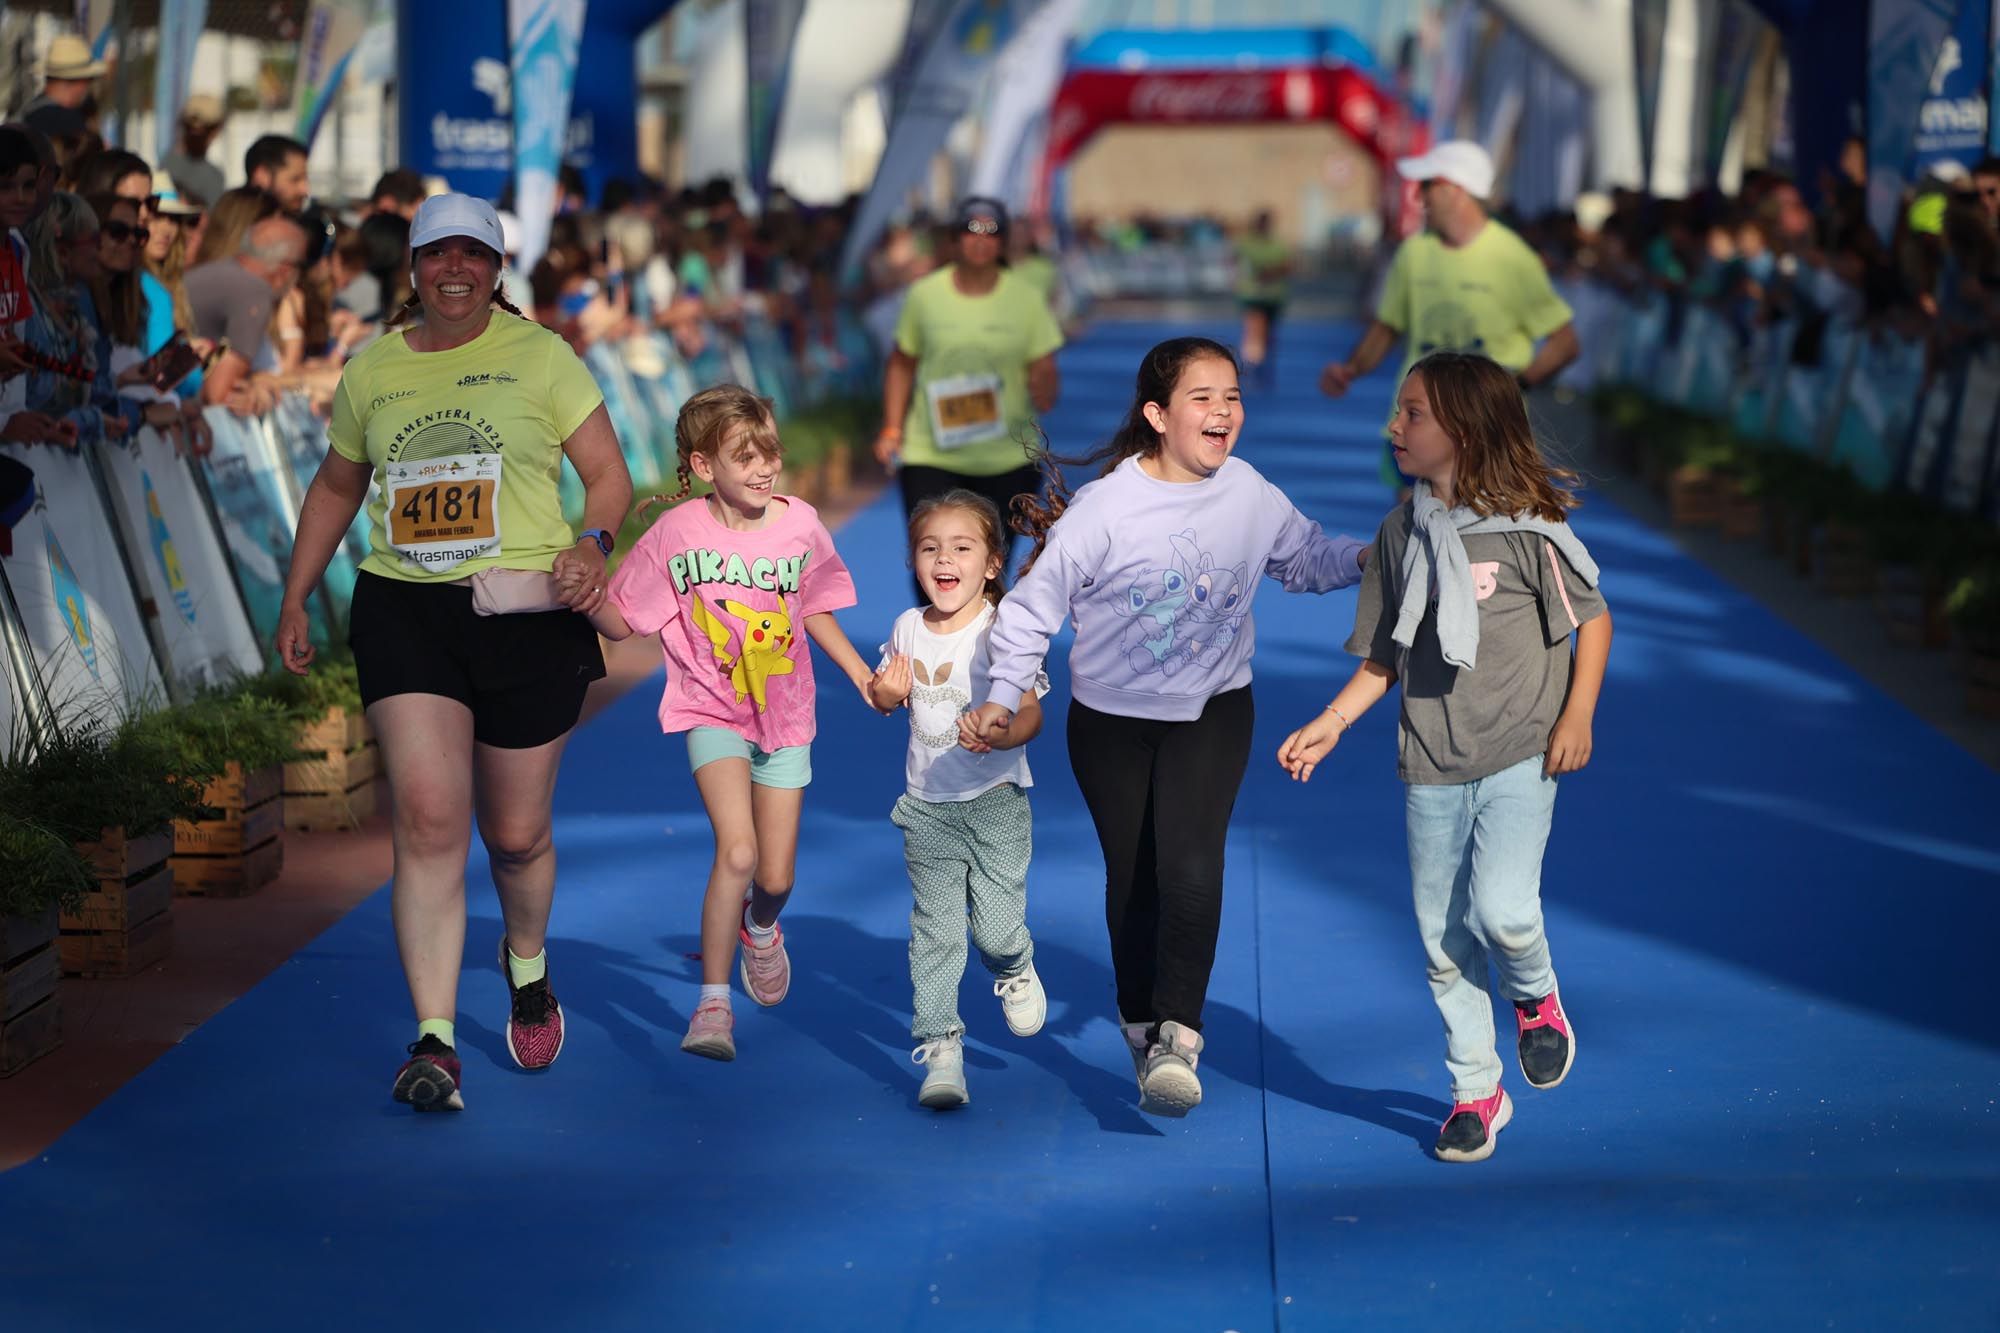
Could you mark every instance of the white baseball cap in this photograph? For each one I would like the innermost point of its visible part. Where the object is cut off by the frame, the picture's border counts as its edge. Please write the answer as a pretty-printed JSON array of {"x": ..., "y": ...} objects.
[
  {"x": 1460, "y": 161},
  {"x": 444, "y": 215}
]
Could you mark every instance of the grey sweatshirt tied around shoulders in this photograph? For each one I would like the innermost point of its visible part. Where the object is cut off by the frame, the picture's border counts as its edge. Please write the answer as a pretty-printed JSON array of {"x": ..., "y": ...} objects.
[{"x": 1437, "y": 549}]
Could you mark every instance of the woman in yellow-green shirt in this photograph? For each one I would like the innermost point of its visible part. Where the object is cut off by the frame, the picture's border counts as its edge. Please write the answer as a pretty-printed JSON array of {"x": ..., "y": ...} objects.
[
  {"x": 472, "y": 660},
  {"x": 975, "y": 359}
]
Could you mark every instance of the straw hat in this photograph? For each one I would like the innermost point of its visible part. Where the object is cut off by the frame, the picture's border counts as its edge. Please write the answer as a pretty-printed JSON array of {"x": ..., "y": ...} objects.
[{"x": 69, "y": 58}]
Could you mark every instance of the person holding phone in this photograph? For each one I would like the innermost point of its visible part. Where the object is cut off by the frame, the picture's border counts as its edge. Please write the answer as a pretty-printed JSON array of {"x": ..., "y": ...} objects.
[{"x": 473, "y": 660}]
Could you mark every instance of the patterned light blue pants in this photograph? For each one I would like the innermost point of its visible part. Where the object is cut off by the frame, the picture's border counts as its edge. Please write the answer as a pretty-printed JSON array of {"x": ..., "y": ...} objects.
[{"x": 967, "y": 859}]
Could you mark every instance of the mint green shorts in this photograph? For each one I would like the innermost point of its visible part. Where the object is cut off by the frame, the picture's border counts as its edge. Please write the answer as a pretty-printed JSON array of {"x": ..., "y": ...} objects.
[{"x": 786, "y": 766}]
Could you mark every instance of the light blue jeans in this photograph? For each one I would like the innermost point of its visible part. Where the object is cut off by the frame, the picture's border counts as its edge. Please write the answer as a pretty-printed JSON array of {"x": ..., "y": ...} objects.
[{"x": 1476, "y": 879}]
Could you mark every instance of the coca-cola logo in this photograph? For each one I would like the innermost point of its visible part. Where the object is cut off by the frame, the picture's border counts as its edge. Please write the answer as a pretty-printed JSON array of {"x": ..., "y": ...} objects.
[{"x": 1209, "y": 97}]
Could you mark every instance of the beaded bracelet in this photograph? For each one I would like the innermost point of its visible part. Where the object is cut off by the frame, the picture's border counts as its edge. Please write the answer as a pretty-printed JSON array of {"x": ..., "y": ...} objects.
[{"x": 1344, "y": 723}]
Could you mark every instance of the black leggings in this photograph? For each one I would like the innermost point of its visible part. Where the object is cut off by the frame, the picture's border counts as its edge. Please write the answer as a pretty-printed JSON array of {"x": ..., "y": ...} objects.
[
  {"x": 1161, "y": 794},
  {"x": 921, "y": 482}
]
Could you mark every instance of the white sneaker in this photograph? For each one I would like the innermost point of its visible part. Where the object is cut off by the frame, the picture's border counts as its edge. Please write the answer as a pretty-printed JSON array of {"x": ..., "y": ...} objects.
[
  {"x": 1169, "y": 1086},
  {"x": 1024, "y": 1002},
  {"x": 944, "y": 1073}
]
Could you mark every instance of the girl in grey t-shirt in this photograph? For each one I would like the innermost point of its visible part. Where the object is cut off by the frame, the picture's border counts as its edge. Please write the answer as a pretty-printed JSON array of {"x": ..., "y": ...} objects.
[{"x": 1475, "y": 591}]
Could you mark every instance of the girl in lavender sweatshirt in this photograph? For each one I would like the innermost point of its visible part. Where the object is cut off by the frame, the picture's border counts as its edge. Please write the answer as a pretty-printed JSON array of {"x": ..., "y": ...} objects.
[{"x": 1157, "y": 563}]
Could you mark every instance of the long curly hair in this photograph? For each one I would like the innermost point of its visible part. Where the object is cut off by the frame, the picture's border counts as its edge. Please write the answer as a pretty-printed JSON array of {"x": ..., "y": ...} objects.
[{"x": 1159, "y": 371}]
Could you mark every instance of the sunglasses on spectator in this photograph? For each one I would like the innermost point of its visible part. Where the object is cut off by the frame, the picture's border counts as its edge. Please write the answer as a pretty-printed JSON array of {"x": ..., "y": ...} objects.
[
  {"x": 982, "y": 226},
  {"x": 124, "y": 231}
]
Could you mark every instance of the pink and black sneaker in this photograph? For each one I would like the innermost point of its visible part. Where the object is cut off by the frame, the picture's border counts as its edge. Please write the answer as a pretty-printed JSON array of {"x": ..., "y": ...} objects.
[
  {"x": 1547, "y": 1046},
  {"x": 534, "y": 1019},
  {"x": 1469, "y": 1133},
  {"x": 428, "y": 1080}
]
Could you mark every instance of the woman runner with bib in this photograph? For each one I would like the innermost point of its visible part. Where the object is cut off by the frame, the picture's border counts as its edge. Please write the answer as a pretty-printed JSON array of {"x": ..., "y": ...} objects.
[
  {"x": 975, "y": 359},
  {"x": 473, "y": 659}
]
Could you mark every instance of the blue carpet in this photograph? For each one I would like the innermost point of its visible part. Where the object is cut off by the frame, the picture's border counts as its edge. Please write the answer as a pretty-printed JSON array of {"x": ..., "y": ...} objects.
[{"x": 1771, "y": 899}]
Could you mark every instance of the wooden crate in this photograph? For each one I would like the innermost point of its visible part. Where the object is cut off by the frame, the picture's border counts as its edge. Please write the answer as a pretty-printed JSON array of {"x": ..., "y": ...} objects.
[
  {"x": 30, "y": 1035},
  {"x": 332, "y": 772},
  {"x": 243, "y": 850},
  {"x": 339, "y": 730},
  {"x": 331, "y": 811},
  {"x": 231, "y": 876},
  {"x": 253, "y": 811},
  {"x": 1694, "y": 498},
  {"x": 28, "y": 963},
  {"x": 135, "y": 890},
  {"x": 118, "y": 953}
]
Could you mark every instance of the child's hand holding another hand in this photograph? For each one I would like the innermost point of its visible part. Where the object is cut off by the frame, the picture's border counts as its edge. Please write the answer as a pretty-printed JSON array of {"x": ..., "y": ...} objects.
[
  {"x": 890, "y": 685},
  {"x": 1305, "y": 748}
]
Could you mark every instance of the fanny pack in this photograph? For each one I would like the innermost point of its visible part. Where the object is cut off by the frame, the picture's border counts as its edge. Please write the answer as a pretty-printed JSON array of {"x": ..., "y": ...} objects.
[{"x": 511, "y": 592}]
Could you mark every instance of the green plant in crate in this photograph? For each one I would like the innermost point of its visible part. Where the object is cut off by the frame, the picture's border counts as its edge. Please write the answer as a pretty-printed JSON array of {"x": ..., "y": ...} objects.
[
  {"x": 38, "y": 869},
  {"x": 213, "y": 730},
  {"x": 87, "y": 777},
  {"x": 332, "y": 683}
]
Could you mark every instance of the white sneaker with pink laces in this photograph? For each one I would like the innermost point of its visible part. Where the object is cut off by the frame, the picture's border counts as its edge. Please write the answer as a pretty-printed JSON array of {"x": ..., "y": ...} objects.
[{"x": 709, "y": 1032}]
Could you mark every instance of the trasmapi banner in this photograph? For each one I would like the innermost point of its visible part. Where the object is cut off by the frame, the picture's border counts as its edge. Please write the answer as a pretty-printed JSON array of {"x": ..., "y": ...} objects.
[
  {"x": 543, "y": 37},
  {"x": 770, "y": 28},
  {"x": 86, "y": 638},
  {"x": 333, "y": 29},
  {"x": 949, "y": 76},
  {"x": 1905, "y": 38},
  {"x": 177, "y": 560}
]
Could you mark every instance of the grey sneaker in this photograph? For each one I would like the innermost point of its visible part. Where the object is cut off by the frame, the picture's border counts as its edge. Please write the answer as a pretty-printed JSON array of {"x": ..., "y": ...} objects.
[
  {"x": 1135, "y": 1046},
  {"x": 1023, "y": 1001},
  {"x": 1169, "y": 1086},
  {"x": 943, "y": 1060}
]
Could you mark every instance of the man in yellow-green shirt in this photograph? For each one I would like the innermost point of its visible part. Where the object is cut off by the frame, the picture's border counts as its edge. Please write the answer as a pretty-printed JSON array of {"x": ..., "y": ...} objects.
[
  {"x": 1466, "y": 283},
  {"x": 975, "y": 360}
]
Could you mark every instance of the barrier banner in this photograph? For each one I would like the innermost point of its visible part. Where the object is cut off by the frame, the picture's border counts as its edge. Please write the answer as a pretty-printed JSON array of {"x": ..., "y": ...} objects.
[
  {"x": 181, "y": 22},
  {"x": 770, "y": 27},
  {"x": 254, "y": 504},
  {"x": 948, "y": 77},
  {"x": 178, "y": 563},
  {"x": 86, "y": 639},
  {"x": 543, "y": 37},
  {"x": 1905, "y": 39},
  {"x": 1024, "y": 85},
  {"x": 333, "y": 29}
]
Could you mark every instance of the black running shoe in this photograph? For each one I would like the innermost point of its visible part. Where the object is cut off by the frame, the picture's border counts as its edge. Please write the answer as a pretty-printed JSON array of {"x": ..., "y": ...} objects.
[{"x": 428, "y": 1080}]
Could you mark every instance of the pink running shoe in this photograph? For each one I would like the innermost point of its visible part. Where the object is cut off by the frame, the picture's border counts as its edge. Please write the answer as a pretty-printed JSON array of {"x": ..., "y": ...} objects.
[
  {"x": 1547, "y": 1045},
  {"x": 766, "y": 972},
  {"x": 1469, "y": 1134},
  {"x": 428, "y": 1080},
  {"x": 709, "y": 1032},
  {"x": 534, "y": 1019}
]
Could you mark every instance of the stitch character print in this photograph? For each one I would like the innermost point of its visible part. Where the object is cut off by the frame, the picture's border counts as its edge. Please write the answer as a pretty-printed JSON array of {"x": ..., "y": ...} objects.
[
  {"x": 764, "y": 638},
  {"x": 1214, "y": 615}
]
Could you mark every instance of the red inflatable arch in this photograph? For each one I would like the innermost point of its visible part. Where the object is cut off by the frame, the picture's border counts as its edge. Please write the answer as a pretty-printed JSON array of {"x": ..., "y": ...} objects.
[{"x": 1372, "y": 116}]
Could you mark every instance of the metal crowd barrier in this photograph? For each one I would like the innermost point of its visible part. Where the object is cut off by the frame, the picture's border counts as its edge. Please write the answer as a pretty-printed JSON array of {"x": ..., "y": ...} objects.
[{"x": 1829, "y": 386}]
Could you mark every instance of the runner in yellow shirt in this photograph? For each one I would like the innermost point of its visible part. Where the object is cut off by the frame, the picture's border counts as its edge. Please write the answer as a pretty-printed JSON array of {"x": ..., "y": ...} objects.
[
  {"x": 1466, "y": 283},
  {"x": 975, "y": 360},
  {"x": 1263, "y": 267}
]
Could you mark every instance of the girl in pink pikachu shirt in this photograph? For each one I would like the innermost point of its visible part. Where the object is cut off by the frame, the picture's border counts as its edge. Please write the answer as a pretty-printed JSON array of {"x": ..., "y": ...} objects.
[{"x": 732, "y": 583}]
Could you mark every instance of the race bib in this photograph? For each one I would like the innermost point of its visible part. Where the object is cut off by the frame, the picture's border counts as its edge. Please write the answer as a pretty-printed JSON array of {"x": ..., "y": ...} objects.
[
  {"x": 965, "y": 409},
  {"x": 443, "y": 512}
]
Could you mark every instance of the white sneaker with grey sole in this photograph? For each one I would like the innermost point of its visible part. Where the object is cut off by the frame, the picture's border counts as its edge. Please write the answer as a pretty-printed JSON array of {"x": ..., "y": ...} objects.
[
  {"x": 944, "y": 1073},
  {"x": 1023, "y": 1001},
  {"x": 1169, "y": 1086}
]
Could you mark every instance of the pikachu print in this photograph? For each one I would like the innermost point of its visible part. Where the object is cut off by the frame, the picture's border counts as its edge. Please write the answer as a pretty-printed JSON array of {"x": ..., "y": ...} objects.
[{"x": 935, "y": 705}]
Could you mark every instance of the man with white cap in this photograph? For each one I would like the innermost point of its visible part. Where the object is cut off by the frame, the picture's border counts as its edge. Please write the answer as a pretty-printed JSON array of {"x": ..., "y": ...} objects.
[
  {"x": 1466, "y": 283},
  {"x": 67, "y": 73}
]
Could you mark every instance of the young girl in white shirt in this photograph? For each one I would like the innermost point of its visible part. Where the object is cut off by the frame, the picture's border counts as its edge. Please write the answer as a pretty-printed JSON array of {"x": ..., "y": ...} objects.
[{"x": 966, "y": 828}]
